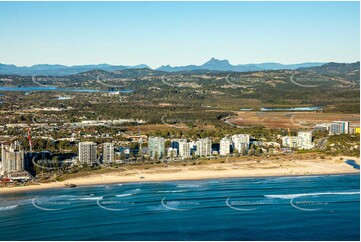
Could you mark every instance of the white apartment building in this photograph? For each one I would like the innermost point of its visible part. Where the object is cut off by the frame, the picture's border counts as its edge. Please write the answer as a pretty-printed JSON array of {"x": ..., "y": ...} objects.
[
  {"x": 204, "y": 147},
  {"x": 241, "y": 142},
  {"x": 339, "y": 127},
  {"x": 12, "y": 159},
  {"x": 87, "y": 152},
  {"x": 291, "y": 141},
  {"x": 306, "y": 139},
  {"x": 184, "y": 149},
  {"x": 225, "y": 146},
  {"x": 108, "y": 153},
  {"x": 171, "y": 152},
  {"x": 156, "y": 147}
]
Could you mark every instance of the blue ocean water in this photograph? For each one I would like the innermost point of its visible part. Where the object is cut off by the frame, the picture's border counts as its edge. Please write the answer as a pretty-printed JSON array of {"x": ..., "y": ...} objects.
[{"x": 275, "y": 208}]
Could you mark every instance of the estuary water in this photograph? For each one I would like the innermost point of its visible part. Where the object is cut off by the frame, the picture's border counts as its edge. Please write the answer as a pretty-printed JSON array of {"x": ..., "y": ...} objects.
[
  {"x": 274, "y": 208},
  {"x": 51, "y": 88},
  {"x": 292, "y": 109}
]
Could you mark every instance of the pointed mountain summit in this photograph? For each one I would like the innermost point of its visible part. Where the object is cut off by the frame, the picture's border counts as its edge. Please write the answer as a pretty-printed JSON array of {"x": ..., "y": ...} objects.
[{"x": 216, "y": 64}]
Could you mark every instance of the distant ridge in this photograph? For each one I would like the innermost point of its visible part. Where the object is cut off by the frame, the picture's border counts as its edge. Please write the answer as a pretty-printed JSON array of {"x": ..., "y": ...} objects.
[
  {"x": 59, "y": 70},
  {"x": 212, "y": 65},
  {"x": 224, "y": 65}
]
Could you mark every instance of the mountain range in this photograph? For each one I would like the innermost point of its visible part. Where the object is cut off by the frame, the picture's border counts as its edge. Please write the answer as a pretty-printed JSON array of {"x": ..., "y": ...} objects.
[
  {"x": 60, "y": 70},
  {"x": 224, "y": 65},
  {"x": 212, "y": 65}
]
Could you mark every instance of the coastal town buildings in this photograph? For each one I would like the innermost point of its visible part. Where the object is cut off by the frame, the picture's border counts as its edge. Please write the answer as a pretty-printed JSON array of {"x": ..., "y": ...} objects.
[
  {"x": 184, "y": 149},
  {"x": 339, "y": 127},
  {"x": 204, "y": 147},
  {"x": 305, "y": 139},
  {"x": 12, "y": 159},
  {"x": 291, "y": 141},
  {"x": 108, "y": 153},
  {"x": 171, "y": 152},
  {"x": 225, "y": 146},
  {"x": 156, "y": 147},
  {"x": 87, "y": 152},
  {"x": 241, "y": 142}
]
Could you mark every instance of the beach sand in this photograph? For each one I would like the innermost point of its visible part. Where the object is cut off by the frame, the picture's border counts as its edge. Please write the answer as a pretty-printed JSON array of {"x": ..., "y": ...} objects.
[{"x": 290, "y": 165}]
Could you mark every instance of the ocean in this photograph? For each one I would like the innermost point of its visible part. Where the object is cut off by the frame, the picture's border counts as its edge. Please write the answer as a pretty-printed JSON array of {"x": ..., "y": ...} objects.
[{"x": 323, "y": 207}]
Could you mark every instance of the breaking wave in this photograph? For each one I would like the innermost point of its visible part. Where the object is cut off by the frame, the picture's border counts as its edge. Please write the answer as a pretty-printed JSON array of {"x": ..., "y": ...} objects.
[
  {"x": 8, "y": 207},
  {"x": 173, "y": 191},
  {"x": 125, "y": 195},
  {"x": 291, "y": 196}
]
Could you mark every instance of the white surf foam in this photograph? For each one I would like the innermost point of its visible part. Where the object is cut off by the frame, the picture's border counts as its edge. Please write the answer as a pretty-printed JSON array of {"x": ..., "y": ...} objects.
[
  {"x": 86, "y": 198},
  {"x": 8, "y": 207},
  {"x": 124, "y": 195},
  {"x": 291, "y": 196},
  {"x": 173, "y": 191},
  {"x": 187, "y": 185}
]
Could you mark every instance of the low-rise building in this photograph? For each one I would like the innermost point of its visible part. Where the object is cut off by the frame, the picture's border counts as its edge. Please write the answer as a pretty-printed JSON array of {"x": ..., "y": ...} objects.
[
  {"x": 339, "y": 127},
  {"x": 291, "y": 141},
  {"x": 171, "y": 152}
]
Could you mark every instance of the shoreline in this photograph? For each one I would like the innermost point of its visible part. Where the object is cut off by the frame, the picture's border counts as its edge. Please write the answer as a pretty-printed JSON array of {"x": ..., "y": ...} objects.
[{"x": 229, "y": 170}]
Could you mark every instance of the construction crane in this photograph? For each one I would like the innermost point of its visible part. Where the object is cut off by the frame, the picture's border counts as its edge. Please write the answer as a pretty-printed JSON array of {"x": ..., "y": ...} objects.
[{"x": 29, "y": 139}]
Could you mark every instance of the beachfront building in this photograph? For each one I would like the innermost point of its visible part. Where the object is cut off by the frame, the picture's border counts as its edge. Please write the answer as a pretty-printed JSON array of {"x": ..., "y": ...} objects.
[
  {"x": 291, "y": 141},
  {"x": 156, "y": 147},
  {"x": 12, "y": 159},
  {"x": 108, "y": 153},
  {"x": 225, "y": 146},
  {"x": 171, "y": 152},
  {"x": 184, "y": 149},
  {"x": 305, "y": 139},
  {"x": 339, "y": 127},
  {"x": 87, "y": 152},
  {"x": 241, "y": 142},
  {"x": 175, "y": 144},
  {"x": 204, "y": 147}
]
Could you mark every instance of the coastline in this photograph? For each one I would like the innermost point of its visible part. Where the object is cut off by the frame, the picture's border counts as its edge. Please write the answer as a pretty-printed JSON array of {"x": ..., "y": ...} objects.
[{"x": 232, "y": 168}]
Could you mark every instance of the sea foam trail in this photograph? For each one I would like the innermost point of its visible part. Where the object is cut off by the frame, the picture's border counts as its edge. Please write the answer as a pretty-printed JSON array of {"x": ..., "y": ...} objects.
[
  {"x": 291, "y": 196},
  {"x": 8, "y": 208},
  {"x": 125, "y": 195},
  {"x": 86, "y": 198},
  {"x": 187, "y": 185},
  {"x": 173, "y": 191}
]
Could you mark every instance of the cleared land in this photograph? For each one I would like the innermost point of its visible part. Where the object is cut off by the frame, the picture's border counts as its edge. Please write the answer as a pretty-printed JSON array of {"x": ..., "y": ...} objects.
[{"x": 294, "y": 120}]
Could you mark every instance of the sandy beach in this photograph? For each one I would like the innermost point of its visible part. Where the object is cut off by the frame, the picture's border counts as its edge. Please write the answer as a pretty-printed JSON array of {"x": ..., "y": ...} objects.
[{"x": 298, "y": 165}]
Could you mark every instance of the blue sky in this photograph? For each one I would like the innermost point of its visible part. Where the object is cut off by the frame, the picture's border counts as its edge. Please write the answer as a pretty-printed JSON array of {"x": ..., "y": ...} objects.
[{"x": 178, "y": 33}]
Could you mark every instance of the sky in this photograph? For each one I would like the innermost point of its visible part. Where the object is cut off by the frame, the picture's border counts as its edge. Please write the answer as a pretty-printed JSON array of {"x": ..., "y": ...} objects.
[{"x": 178, "y": 33}]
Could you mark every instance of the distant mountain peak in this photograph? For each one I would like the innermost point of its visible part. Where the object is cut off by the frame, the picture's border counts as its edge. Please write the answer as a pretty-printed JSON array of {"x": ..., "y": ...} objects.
[{"x": 217, "y": 61}]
